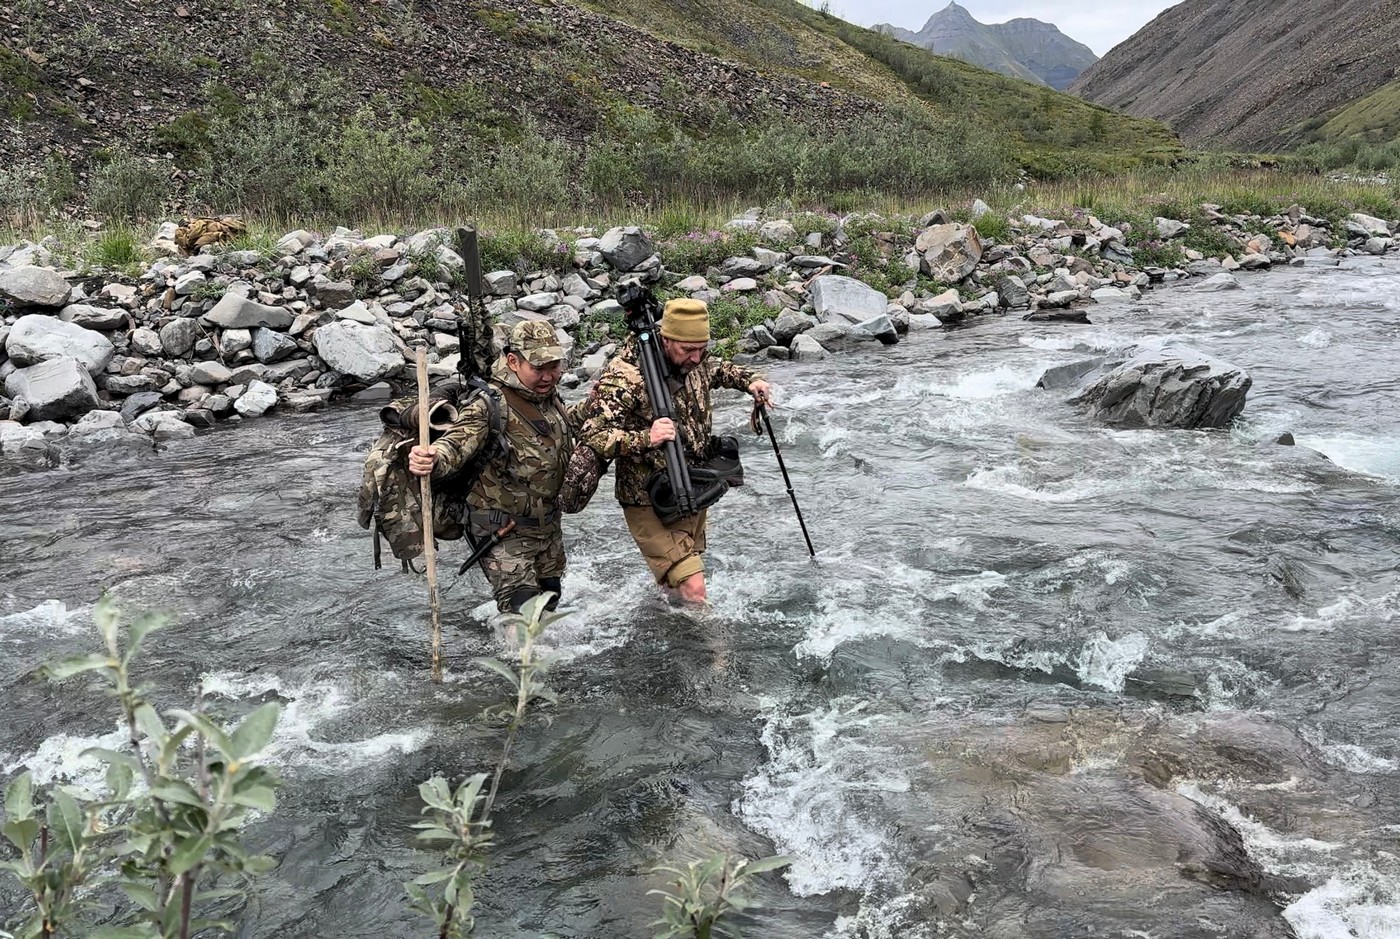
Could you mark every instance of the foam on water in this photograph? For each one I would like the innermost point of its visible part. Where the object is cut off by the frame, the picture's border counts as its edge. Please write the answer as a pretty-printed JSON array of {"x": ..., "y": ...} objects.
[
  {"x": 1162, "y": 474},
  {"x": 1277, "y": 853},
  {"x": 1355, "y": 899},
  {"x": 845, "y": 611},
  {"x": 812, "y": 797},
  {"x": 1327, "y": 618},
  {"x": 1087, "y": 343},
  {"x": 1106, "y": 663},
  {"x": 1362, "y": 902},
  {"x": 900, "y": 917},
  {"x": 1019, "y": 482},
  {"x": 1010, "y": 653},
  {"x": 1375, "y": 456},
  {"x": 305, "y": 707},
  {"x": 982, "y": 385},
  {"x": 843, "y": 615},
  {"x": 60, "y": 759},
  {"x": 1316, "y": 339},
  {"x": 50, "y": 618},
  {"x": 1356, "y": 759}
]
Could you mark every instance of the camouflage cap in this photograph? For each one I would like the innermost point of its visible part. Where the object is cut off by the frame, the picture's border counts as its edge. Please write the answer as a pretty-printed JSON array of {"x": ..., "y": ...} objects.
[{"x": 536, "y": 342}]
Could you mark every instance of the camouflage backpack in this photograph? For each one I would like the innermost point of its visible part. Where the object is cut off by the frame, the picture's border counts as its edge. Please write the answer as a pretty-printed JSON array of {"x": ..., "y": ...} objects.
[{"x": 390, "y": 500}]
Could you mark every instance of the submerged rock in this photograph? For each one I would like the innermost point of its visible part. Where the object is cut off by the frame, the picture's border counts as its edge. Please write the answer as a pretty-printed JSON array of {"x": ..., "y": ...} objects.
[{"x": 1168, "y": 386}]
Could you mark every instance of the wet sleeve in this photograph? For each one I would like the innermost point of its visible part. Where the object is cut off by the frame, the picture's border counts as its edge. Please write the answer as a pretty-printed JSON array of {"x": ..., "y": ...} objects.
[
  {"x": 728, "y": 375},
  {"x": 613, "y": 425},
  {"x": 456, "y": 447}
]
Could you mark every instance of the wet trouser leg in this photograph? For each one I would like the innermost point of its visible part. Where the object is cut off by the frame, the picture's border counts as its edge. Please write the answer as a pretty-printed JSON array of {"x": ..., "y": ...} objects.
[{"x": 528, "y": 562}]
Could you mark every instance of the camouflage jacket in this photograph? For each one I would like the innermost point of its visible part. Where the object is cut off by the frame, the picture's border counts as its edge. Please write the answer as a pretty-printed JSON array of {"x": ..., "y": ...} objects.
[
  {"x": 616, "y": 418},
  {"x": 525, "y": 480}
]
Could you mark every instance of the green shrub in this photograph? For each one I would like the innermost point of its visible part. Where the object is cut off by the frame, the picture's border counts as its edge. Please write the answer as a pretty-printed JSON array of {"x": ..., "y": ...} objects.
[
  {"x": 993, "y": 225},
  {"x": 258, "y": 160},
  {"x": 1210, "y": 239},
  {"x": 696, "y": 252},
  {"x": 186, "y": 137},
  {"x": 129, "y": 188},
  {"x": 523, "y": 251},
  {"x": 1155, "y": 253},
  {"x": 808, "y": 222},
  {"x": 30, "y": 191},
  {"x": 533, "y": 176},
  {"x": 370, "y": 172},
  {"x": 165, "y": 824},
  {"x": 117, "y": 250}
]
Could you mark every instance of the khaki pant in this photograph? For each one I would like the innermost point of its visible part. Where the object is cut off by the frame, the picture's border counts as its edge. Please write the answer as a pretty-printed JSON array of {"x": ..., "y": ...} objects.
[
  {"x": 674, "y": 553},
  {"x": 522, "y": 559}
]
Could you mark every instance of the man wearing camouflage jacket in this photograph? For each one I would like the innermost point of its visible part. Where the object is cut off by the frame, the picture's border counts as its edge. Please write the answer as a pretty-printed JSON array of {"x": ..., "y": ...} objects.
[
  {"x": 618, "y": 423},
  {"x": 520, "y": 485}
]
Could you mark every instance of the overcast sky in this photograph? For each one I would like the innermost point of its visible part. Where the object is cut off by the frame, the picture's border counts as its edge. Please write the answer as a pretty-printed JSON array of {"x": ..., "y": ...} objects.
[{"x": 1099, "y": 24}]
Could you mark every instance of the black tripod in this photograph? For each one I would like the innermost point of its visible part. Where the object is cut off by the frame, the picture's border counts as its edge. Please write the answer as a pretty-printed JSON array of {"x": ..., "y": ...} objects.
[{"x": 642, "y": 309}]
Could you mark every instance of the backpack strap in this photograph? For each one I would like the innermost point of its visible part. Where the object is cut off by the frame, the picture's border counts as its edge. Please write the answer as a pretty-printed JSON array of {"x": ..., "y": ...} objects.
[{"x": 528, "y": 410}]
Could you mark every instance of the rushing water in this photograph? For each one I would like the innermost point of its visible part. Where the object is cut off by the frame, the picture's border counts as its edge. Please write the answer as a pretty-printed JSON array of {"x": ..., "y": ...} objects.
[{"x": 1045, "y": 678}]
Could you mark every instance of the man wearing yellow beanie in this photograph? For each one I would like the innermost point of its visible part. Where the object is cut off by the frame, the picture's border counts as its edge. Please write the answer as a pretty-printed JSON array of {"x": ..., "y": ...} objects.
[{"x": 619, "y": 424}]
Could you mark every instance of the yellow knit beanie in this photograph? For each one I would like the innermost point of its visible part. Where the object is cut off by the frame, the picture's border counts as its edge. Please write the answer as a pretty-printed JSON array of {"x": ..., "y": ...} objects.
[{"x": 686, "y": 320}]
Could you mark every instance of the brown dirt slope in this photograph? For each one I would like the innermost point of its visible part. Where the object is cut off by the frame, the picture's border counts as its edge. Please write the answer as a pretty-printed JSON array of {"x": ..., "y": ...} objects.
[
  {"x": 1249, "y": 76},
  {"x": 77, "y": 75}
]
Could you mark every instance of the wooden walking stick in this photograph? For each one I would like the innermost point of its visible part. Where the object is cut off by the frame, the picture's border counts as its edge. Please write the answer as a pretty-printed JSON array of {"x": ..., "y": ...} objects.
[{"x": 425, "y": 484}]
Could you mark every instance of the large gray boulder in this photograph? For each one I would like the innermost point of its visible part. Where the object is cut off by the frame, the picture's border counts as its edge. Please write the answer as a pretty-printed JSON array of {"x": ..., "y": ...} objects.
[
  {"x": 1012, "y": 292},
  {"x": 93, "y": 317},
  {"x": 1370, "y": 224},
  {"x": 367, "y": 353},
  {"x": 626, "y": 248},
  {"x": 948, "y": 252},
  {"x": 34, "y": 287},
  {"x": 1168, "y": 386},
  {"x": 163, "y": 426},
  {"x": 845, "y": 300},
  {"x": 55, "y": 390},
  {"x": 38, "y": 338},
  {"x": 211, "y": 373},
  {"x": 235, "y": 312},
  {"x": 1222, "y": 281},
  {"x": 26, "y": 446}
]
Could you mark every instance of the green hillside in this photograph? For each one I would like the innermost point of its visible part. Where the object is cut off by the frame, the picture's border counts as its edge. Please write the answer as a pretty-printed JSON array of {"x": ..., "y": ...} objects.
[
  {"x": 461, "y": 105},
  {"x": 1049, "y": 133}
]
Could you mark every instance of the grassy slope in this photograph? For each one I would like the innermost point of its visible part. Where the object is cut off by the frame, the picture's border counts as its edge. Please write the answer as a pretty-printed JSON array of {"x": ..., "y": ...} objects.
[
  {"x": 514, "y": 104},
  {"x": 1051, "y": 132},
  {"x": 1375, "y": 117}
]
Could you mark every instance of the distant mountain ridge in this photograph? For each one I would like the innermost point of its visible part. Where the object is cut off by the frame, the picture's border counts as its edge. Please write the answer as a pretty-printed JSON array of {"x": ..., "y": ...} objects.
[
  {"x": 1257, "y": 76},
  {"x": 1023, "y": 48}
]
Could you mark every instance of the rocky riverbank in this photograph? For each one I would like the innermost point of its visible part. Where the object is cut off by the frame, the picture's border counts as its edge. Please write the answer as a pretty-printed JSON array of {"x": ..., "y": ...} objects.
[{"x": 220, "y": 336}]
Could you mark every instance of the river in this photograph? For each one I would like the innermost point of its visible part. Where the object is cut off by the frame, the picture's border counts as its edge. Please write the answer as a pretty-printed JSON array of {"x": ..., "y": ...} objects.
[{"x": 1045, "y": 678}]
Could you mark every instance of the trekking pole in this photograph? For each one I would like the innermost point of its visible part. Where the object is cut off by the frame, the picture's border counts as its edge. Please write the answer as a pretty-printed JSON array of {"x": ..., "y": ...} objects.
[
  {"x": 763, "y": 412},
  {"x": 425, "y": 484}
]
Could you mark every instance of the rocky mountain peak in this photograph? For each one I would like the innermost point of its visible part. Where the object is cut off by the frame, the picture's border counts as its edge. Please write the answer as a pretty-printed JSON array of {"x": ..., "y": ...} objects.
[{"x": 1023, "y": 48}]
